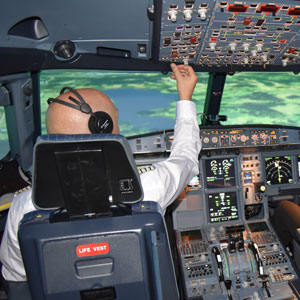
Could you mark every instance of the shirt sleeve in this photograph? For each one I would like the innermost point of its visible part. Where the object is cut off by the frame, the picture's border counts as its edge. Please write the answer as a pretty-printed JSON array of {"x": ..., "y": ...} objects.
[
  {"x": 10, "y": 253},
  {"x": 167, "y": 179}
]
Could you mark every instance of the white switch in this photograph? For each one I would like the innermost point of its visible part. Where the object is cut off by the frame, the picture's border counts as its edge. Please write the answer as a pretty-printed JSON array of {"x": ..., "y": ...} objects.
[
  {"x": 188, "y": 14},
  {"x": 232, "y": 46},
  {"x": 284, "y": 62},
  {"x": 254, "y": 53},
  {"x": 202, "y": 14},
  {"x": 173, "y": 15},
  {"x": 212, "y": 46},
  {"x": 259, "y": 47},
  {"x": 246, "y": 47}
]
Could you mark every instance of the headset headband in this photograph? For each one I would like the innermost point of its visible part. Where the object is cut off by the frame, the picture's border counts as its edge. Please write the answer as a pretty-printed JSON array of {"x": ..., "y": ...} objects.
[{"x": 99, "y": 122}]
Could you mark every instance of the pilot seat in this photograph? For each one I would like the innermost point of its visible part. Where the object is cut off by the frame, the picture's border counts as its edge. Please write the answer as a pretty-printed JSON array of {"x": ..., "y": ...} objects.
[
  {"x": 286, "y": 221},
  {"x": 92, "y": 237}
]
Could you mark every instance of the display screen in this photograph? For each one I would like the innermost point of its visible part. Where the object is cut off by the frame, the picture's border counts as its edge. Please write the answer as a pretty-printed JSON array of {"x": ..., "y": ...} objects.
[
  {"x": 278, "y": 170},
  {"x": 259, "y": 226},
  {"x": 191, "y": 235},
  {"x": 222, "y": 207},
  {"x": 220, "y": 173}
]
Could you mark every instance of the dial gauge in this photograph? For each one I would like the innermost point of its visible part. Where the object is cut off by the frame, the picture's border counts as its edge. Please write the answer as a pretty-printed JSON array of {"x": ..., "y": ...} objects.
[{"x": 279, "y": 170}]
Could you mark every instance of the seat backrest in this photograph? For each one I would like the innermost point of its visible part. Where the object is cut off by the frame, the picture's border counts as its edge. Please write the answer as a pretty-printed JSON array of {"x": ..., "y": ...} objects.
[{"x": 94, "y": 255}]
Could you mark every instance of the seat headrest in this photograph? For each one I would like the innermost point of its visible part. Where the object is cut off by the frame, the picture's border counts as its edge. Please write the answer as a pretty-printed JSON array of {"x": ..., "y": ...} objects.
[{"x": 81, "y": 172}]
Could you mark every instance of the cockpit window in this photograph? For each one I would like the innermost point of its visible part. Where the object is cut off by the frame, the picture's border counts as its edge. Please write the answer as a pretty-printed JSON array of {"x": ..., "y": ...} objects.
[
  {"x": 4, "y": 145},
  {"x": 262, "y": 98},
  {"x": 146, "y": 100}
]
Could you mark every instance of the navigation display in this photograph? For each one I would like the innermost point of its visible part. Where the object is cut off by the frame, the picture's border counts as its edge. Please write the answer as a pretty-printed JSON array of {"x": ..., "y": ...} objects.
[
  {"x": 220, "y": 173},
  {"x": 278, "y": 170},
  {"x": 222, "y": 207}
]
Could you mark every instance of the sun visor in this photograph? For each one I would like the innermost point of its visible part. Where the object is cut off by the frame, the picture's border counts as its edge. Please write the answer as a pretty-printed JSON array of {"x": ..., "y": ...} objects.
[{"x": 84, "y": 173}]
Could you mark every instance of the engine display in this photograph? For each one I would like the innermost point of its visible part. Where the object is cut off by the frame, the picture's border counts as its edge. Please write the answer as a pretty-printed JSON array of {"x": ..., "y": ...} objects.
[
  {"x": 220, "y": 173},
  {"x": 278, "y": 170},
  {"x": 222, "y": 207}
]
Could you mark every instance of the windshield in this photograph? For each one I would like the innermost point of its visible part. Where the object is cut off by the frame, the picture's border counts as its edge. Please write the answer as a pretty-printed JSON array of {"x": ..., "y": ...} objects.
[
  {"x": 146, "y": 100},
  {"x": 262, "y": 98}
]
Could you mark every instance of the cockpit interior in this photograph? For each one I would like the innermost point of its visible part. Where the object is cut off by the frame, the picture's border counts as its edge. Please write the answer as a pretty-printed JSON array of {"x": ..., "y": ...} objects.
[{"x": 228, "y": 236}]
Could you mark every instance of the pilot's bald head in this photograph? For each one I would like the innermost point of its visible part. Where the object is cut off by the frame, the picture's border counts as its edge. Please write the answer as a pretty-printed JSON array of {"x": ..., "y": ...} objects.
[{"x": 62, "y": 119}]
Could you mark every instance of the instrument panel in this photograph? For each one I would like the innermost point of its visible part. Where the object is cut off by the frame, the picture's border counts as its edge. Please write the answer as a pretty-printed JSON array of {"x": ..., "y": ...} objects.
[
  {"x": 226, "y": 244},
  {"x": 221, "y": 137}
]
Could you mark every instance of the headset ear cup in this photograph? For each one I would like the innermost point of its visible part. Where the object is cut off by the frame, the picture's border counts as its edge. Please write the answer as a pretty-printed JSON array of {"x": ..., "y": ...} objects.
[{"x": 100, "y": 122}]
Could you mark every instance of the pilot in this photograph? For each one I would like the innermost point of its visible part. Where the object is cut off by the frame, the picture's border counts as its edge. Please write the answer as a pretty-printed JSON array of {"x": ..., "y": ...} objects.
[{"x": 163, "y": 183}]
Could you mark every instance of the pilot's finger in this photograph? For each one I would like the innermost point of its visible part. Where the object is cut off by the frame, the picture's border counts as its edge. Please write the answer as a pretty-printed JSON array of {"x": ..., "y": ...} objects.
[
  {"x": 179, "y": 71},
  {"x": 176, "y": 71}
]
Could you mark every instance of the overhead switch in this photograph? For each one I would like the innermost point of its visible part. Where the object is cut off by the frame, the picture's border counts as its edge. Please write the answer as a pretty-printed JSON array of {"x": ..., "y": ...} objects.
[
  {"x": 173, "y": 15},
  {"x": 254, "y": 53},
  {"x": 212, "y": 46},
  {"x": 188, "y": 15},
  {"x": 246, "y": 47},
  {"x": 259, "y": 47},
  {"x": 232, "y": 47},
  {"x": 202, "y": 14}
]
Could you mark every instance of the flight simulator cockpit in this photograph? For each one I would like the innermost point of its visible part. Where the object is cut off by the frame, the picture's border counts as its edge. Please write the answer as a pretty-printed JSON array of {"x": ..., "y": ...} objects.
[{"x": 228, "y": 239}]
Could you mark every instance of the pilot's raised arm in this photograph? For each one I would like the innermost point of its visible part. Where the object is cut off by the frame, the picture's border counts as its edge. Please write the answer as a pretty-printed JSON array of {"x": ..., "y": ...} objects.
[{"x": 167, "y": 179}]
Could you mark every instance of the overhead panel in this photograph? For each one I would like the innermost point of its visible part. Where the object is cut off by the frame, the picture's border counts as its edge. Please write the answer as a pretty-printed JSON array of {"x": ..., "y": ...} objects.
[{"x": 218, "y": 33}]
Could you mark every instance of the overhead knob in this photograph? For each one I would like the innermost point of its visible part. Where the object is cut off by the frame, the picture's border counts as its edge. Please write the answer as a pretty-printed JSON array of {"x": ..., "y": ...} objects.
[
  {"x": 202, "y": 13},
  {"x": 212, "y": 46},
  {"x": 246, "y": 47},
  {"x": 188, "y": 14},
  {"x": 173, "y": 15},
  {"x": 259, "y": 47}
]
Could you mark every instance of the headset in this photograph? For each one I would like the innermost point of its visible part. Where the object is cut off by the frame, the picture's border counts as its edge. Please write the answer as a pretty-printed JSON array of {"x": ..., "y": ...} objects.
[{"x": 99, "y": 121}]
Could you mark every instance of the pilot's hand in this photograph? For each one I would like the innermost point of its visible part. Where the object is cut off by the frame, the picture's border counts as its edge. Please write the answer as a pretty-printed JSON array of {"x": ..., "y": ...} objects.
[{"x": 186, "y": 80}]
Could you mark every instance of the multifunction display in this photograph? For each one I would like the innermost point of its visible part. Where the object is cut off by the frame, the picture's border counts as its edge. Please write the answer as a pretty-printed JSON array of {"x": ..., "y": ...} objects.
[
  {"x": 222, "y": 207},
  {"x": 220, "y": 173},
  {"x": 279, "y": 170}
]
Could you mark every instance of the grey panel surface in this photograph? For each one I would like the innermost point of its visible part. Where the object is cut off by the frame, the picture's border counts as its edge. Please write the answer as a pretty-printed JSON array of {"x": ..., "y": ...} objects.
[{"x": 106, "y": 23}]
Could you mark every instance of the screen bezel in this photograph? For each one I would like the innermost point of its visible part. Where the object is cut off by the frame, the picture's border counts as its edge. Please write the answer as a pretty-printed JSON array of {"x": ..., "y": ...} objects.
[
  {"x": 292, "y": 156},
  {"x": 236, "y": 183},
  {"x": 237, "y": 204}
]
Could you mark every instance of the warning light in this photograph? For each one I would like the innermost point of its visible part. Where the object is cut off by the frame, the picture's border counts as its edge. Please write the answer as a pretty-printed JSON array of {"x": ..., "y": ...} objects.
[
  {"x": 247, "y": 21},
  {"x": 193, "y": 39},
  {"x": 269, "y": 8},
  {"x": 294, "y": 12},
  {"x": 237, "y": 8}
]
